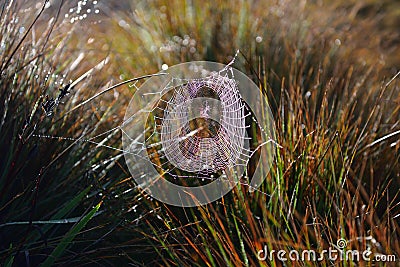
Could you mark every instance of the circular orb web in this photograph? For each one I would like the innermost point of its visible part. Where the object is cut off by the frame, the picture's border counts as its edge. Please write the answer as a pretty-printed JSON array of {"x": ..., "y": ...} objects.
[
  {"x": 202, "y": 133},
  {"x": 195, "y": 120}
]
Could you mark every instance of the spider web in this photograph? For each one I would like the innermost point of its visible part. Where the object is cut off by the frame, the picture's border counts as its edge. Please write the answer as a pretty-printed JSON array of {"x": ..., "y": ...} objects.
[
  {"x": 195, "y": 130},
  {"x": 190, "y": 141}
]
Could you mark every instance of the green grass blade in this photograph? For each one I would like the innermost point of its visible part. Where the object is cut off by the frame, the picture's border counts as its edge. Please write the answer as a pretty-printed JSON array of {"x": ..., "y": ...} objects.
[
  {"x": 58, "y": 251},
  {"x": 71, "y": 204},
  {"x": 10, "y": 260},
  {"x": 242, "y": 248}
]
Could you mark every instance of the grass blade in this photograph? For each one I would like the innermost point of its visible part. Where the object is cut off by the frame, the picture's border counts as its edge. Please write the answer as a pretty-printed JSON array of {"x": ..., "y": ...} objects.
[{"x": 58, "y": 251}]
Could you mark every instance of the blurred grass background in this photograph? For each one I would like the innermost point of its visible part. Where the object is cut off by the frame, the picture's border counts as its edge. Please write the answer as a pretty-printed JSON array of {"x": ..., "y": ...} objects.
[{"x": 67, "y": 198}]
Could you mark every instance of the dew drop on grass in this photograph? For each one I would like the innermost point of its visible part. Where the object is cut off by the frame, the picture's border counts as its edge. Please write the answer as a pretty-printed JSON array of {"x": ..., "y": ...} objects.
[{"x": 122, "y": 23}]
